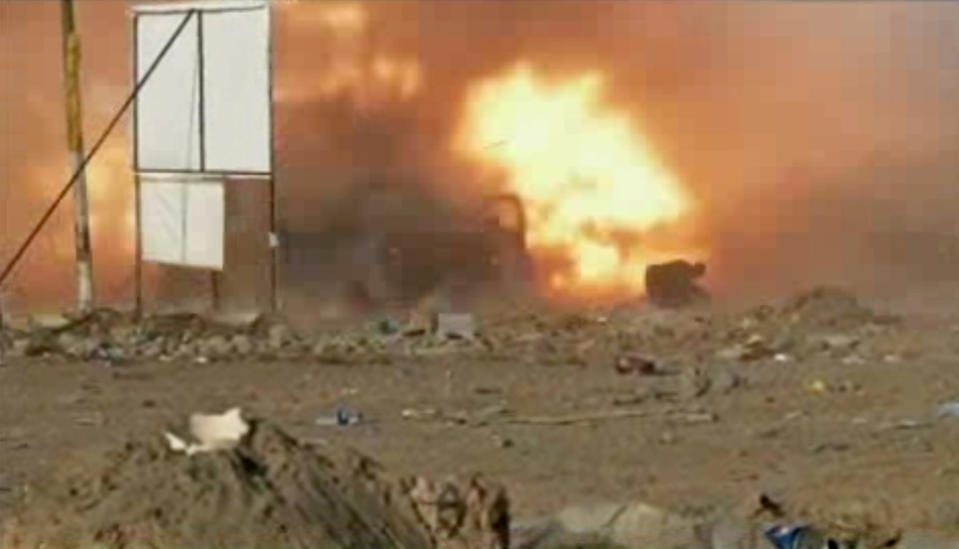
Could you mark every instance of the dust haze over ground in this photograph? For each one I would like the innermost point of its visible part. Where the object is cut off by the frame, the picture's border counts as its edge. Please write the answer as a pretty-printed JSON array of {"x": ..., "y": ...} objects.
[{"x": 817, "y": 139}]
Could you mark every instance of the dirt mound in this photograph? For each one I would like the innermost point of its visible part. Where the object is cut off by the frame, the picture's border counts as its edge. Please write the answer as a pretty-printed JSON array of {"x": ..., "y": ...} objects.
[
  {"x": 819, "y": 310},
  {"x": 828, "y": 308},
  {"x": 269, "y": 491}
]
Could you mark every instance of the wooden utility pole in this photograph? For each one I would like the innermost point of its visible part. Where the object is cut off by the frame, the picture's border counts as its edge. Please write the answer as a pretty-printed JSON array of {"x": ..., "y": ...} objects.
[{"x": 71, "y": 80}]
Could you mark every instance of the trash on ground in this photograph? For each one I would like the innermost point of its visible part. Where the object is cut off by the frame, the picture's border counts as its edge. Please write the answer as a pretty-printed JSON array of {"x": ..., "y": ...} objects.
[
  {"x": 949, "y": 409},
  {"x": 635, "y": 364},
  {"x": 454, "y": 325},
  {"x": 211, "y": 432},
  {"x": 341, "y": 418}
]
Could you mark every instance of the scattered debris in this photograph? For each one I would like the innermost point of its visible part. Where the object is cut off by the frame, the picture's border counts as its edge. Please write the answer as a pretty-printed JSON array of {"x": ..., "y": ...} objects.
[
  {"x": 611, "y": 525},
  {"x": 692, "y": 417},
  {"x": 949, "y": 409},
  {"x": 342, "y": 418},
  {"x": 797, "y": 537},
  {"x": 753, "y": 349},
  {"x": 904, "y": 424},
  {"x": 694, "y": 383},
  {"x": 577, "y": 418},
  {"x": 476, "y": 418},
  {"x": 454, "y": 325},
  {"x": 211, "y": 432},
  {"x": 819, "y": 386},
  {"x": 635, "y": 364},
  {"x": 840, "y": 342},
  {"x": 465, "y": 514},
  {"x": 725, "y": 381}
]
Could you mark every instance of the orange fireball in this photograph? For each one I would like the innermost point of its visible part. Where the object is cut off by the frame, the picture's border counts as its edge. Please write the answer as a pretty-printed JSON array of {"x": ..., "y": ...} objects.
[{"x": 592, "y": 185}]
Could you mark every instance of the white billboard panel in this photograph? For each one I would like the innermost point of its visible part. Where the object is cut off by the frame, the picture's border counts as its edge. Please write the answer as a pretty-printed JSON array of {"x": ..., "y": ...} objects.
[
  {"x": 236, "y": 46},
  {"x": 168, "y": 107},
  {"x": 161, "y": 221},
  {"x": 207, "y": 107},
  {"x": 182, "y": 222},
  {"x": 205, "y": 225}
]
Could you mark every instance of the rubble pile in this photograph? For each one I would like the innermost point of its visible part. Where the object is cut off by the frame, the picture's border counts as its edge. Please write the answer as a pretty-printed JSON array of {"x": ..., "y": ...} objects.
[
  {"x": 117, "y": 337},
  {"x": 268, "y": 491},
  {"x": 822, "y": 322}
]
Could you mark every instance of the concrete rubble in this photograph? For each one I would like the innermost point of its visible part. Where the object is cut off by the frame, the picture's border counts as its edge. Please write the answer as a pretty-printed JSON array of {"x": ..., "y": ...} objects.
[{"x": 821, "y": 323}]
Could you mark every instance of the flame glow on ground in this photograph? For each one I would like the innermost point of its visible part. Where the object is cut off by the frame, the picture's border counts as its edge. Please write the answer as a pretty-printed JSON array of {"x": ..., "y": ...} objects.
[{"x": 592, "y": 187}]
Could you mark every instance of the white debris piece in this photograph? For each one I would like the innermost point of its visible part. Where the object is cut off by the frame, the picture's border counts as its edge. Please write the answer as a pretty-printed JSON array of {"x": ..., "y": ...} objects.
[
  {"x": 211, "y": 432},
  {"x": 456, "y": 325}
]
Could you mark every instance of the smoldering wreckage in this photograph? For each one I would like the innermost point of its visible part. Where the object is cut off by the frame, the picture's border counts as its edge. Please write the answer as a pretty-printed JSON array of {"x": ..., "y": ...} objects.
[{"x": 278, "y": 491}]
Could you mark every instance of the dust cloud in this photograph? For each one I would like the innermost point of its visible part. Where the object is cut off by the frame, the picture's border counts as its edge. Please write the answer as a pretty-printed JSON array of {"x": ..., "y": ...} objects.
[{"x": 818, "y": 139}]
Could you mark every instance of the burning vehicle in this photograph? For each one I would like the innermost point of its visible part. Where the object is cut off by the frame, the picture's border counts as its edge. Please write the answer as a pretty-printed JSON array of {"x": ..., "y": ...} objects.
[{"x": 394, "y": 247}]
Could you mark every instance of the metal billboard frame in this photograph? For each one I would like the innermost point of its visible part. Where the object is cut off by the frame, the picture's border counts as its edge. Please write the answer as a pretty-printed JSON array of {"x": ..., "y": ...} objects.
[{"x": 190, "y": 9}]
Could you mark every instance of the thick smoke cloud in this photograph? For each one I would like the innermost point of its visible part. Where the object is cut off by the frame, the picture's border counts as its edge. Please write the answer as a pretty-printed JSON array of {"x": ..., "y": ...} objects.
[{"x": 813, "y": 135}]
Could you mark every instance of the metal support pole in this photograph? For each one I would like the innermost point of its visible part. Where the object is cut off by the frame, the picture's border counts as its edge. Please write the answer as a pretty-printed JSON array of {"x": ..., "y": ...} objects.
[
  {"x": 274, "y": 240},
  {"x": 12, "y": 264},
  {"x": 71, "y": 78},
  {"x": 138, "y": 258}
]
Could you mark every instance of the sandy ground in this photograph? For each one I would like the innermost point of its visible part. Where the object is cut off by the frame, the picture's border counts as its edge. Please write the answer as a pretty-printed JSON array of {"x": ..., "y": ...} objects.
[{"x": 829, "y": 435}]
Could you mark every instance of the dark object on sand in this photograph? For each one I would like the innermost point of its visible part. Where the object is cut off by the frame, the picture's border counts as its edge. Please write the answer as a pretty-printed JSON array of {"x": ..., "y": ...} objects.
[
  {"x": 673, "y": 284},
  {"x": 401, "y": 247}
]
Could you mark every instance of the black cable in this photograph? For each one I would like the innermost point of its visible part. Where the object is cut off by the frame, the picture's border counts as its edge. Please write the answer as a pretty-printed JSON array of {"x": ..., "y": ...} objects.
[{"x": 96, "y": 147}]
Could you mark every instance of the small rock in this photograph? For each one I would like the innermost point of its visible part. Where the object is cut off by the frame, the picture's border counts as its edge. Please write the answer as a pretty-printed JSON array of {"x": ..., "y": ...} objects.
[
  {"x": 216, "y": 346},
  {"x": 66, "y": 342},
  {"x": 754, "y": 348},
  {"x": 502, "y": 442},
  {"x": 278, "y": 336},
  {"x": 454, "y": 325},
  {"x": 151, "y": 349},
  {"x": 185, "y": 350},
  {"x": 949, "y": 409},
  {"x": 18, "y": 348},
  {"x": 725, "y": 381},
  {"x": 320, "y": 348},
  {"x": 818, "y": 386},
  {"x": 635, "y": 364},
  {"x": 242, "y": 344},
  {"x": 641, "y": 525},
  {"x": 122, "y": 333},
  {"x": 840, "y": 341},
  {"x": 694, "y": 383},
  {"x": 691, "y": 418}
]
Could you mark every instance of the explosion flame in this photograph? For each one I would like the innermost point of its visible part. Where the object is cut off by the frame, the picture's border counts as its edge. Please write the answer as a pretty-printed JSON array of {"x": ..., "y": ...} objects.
[{"x": 593, "y": 187}]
